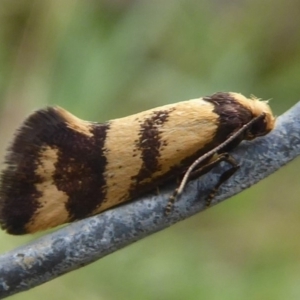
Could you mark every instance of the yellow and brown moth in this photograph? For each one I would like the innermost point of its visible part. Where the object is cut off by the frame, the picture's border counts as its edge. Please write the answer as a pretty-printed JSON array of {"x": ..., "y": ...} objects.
[{"x": 60, "y": 168}]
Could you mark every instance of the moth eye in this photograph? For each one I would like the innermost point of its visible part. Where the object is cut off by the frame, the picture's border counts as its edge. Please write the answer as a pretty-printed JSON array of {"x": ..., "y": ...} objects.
[{"x": 259, "y": 128}]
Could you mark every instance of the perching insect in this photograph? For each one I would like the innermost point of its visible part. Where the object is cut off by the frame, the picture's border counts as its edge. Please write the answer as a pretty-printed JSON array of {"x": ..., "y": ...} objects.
[{"x": 60, "y": 168}]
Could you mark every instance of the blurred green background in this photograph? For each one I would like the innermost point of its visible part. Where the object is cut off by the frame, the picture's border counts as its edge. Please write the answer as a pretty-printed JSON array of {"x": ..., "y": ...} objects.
[{"x": 109, "y": 58}]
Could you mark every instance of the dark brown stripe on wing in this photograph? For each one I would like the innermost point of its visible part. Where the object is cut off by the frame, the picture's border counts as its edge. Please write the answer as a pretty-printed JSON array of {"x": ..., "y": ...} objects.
[
  {"x": 18, "y": 193},
  {"x": 80, "y": 170},
  {"x": 232, "y": 116},
  {"x": 149, "y": 145}
]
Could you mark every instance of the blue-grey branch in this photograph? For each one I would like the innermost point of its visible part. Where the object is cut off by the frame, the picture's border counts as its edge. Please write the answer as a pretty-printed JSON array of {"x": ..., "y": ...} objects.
[{"x": 85, "y": 241}]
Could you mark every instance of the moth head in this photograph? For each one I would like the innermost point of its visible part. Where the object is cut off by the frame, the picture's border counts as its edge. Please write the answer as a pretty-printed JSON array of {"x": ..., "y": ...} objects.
[{"x": 258, "y": 108}]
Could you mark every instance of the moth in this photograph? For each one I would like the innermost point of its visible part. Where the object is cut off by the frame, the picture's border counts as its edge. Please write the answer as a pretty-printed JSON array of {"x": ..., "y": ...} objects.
[{"x": 60, "y": 168}]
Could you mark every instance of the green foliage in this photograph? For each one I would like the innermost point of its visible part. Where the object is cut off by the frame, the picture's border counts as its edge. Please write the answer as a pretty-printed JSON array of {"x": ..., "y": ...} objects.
[{"x": 106, "y": 59}]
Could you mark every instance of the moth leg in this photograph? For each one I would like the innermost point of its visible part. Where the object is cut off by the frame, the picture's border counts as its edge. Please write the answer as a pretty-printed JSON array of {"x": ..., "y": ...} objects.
[
  {"x": 225, "y": 176},
  {"x": 208, "y": 167},
  {"x": 199, "y": 172},
  {"x": 157, "y": 191}
]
